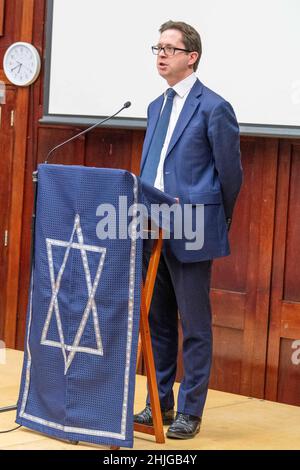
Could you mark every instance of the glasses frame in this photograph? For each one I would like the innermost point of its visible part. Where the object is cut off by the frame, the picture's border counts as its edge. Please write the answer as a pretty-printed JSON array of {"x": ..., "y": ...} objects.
[{"x": 156, "y": 50}]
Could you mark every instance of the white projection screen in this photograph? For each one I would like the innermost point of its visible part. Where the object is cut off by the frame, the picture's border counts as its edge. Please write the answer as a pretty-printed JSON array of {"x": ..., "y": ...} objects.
[{"x": 98, "y": 56}]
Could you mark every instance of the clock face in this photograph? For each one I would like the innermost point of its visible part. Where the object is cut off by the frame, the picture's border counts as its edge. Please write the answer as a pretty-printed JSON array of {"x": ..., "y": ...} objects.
[{"x": 21, "y": 63}]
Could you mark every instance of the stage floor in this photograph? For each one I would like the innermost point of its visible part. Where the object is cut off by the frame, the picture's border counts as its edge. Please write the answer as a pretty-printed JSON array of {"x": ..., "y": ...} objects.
[{"x": 230, "y": 421}]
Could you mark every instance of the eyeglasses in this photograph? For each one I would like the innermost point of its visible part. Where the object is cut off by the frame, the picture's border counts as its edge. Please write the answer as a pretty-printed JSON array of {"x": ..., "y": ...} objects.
[{"x": 168, "y": 50}]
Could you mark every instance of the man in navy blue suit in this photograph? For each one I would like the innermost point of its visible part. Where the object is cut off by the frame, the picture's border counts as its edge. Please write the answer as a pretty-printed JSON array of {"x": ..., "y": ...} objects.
[{"x": 191, "y": 151}]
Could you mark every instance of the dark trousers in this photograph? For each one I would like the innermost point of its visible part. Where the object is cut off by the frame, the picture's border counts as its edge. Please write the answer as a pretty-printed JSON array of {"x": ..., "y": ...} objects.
[{"x": 182, "y": 287}]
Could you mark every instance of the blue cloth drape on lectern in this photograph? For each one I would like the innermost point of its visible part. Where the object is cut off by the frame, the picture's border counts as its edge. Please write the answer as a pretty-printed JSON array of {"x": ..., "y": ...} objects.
[{"x": 83, "y": 311}]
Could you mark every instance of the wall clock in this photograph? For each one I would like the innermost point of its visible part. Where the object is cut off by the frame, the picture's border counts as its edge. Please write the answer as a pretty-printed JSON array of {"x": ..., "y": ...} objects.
[{"x": 21, "y": 63}]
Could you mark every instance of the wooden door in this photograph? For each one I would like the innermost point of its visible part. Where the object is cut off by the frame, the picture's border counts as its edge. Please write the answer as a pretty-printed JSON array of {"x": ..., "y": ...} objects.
[
  {"x": 283, "y": 363},
  {"x": 6, "y": 158}
]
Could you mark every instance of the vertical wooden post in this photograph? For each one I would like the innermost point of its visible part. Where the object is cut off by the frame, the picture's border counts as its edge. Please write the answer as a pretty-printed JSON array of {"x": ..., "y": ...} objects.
[
  {"x": 2, "y": 4},
  {"x": 145, "y": 345},
  {"x": 17, "y": 191}
]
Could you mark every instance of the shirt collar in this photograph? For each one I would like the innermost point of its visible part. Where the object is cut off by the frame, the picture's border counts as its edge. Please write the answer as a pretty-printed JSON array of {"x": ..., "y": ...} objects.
[{"x": 183, "y": 87}]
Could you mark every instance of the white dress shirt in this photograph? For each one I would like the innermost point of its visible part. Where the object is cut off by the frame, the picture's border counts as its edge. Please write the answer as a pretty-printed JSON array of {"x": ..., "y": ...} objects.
[{"x": 182, "y": 90}]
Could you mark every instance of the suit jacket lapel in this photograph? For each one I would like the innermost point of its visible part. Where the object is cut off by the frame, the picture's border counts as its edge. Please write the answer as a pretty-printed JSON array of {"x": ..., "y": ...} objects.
[
  {"x": 151, "y": 124},
  {"x": 186, "y": 114}
]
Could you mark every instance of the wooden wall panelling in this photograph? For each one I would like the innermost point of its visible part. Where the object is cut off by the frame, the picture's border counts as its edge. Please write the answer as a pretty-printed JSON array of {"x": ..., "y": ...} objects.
[
  {"x": 288, "y": 384},
  {"x": 69, "y": 154},
  {"x": 292, "y": 257},
  {"x": 16, "y": 26},
  {"x": 229, "y": 290},
  {"x": 283, "y": 374},
  {"x": 11, "y": 25},
  {"x": 24, "y": 269},
  {"x": 269, "y": 160},
  {"x": 24, "y": 272},
  {"x": 15, "y": 223},
  {"x": 3, "y": 77},
  {"x": 2, "y": 5},
  {"x": 109, "y": 148},
  {"x": 241, "y": 282},
  {"x": 278, "y": 272},
  {"x": 136, "y": 154},
  {"x": 35, "y": 112},
  {"x": 259, "y": 267},
  {"x": 254, "y": 197},
  {"x": 6, "y": 159}
]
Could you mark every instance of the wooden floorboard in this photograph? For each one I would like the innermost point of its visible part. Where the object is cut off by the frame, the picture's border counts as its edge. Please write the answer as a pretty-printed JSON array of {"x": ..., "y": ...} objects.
[{"x": 230, "y": 421}]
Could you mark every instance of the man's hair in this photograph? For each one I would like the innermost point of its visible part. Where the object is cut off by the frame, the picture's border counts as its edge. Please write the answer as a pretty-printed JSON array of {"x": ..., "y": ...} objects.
[{"x": 190, "y": 37}]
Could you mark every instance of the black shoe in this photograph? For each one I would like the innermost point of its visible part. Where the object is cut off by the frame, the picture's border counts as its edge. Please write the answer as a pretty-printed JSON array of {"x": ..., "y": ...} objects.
[
  {"x": 145, "y": 416},
  {"x": 184, "y": 427}
]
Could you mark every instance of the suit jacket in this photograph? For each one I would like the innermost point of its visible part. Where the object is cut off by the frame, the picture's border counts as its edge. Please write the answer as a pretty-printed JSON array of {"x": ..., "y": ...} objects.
[{"x": 202, "y": 166}]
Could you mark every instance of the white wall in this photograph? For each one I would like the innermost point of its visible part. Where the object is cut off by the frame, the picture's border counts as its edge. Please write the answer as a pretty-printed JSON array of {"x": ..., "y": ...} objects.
[{"x": 101, "y": 56}]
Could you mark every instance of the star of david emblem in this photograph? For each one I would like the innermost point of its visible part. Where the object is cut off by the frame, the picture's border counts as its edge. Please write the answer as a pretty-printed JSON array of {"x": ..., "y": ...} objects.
[{"x": 69, "y": 351}]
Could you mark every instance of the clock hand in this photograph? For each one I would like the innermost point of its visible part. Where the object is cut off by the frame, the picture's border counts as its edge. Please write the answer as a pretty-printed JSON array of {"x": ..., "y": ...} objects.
[
  {"x": 19, "y": 65},
  {"x": 15, "y": 67},
  {"x": 25, "y": 66}
]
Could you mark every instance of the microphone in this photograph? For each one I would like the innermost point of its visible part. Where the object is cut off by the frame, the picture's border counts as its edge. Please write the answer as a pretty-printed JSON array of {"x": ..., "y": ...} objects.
[{"x": 125, "y": 105}]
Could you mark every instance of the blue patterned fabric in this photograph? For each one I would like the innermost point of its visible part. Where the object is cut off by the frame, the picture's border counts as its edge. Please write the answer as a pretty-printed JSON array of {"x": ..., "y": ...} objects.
[{"x": 83, "y": 317}]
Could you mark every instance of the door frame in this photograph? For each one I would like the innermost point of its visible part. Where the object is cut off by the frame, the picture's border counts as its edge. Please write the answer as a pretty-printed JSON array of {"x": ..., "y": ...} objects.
[{"x": 17, "y": 186}]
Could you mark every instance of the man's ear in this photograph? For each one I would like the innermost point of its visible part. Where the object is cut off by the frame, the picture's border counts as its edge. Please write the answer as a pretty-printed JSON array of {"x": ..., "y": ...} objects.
[{"x": 193, "y": 57}]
